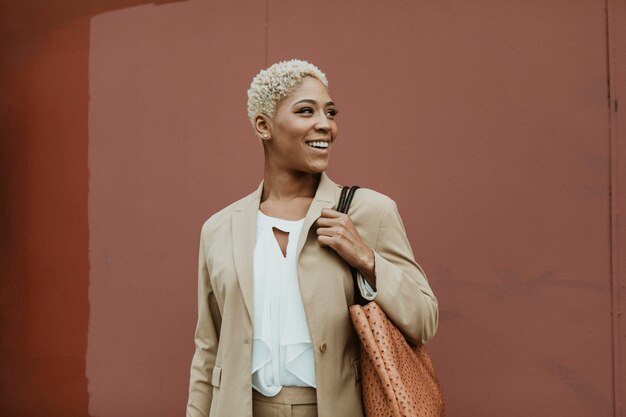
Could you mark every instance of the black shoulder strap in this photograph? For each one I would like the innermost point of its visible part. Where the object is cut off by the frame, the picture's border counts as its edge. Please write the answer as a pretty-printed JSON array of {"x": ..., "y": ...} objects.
[
  {"x": 342, "y": 199},
  {"x": 347, "y": 193}
]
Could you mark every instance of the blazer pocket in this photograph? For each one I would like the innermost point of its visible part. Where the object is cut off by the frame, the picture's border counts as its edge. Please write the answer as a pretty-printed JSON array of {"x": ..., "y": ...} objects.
[{"x": 217, "y": 376}]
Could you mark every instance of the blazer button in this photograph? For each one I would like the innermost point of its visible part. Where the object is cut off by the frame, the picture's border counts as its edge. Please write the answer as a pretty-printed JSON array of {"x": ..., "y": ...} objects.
[{"x": 323, "y": 347}]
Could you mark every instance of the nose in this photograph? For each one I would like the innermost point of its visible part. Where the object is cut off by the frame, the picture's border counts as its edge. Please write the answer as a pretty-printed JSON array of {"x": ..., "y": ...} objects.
[{"x": 322, "y": 123}]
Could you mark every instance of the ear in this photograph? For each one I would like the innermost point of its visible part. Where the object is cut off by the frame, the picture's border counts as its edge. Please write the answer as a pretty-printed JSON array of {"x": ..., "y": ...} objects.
[{"x": 262, "y": 125}]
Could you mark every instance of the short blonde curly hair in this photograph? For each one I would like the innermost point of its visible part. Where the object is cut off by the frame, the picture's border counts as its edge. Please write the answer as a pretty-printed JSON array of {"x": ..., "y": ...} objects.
[{"x": 276, "y": 82}]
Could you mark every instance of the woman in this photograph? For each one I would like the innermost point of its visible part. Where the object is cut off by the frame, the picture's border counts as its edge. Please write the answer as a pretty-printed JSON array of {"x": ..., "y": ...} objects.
[{"x": 274, "y": 335}]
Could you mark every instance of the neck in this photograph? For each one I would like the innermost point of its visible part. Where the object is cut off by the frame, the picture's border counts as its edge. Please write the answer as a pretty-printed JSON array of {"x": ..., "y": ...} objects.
[{"x": 286, "y": 186}]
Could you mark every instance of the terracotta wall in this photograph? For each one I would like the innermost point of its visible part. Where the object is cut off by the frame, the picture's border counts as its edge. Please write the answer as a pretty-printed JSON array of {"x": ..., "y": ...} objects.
[
  {"x": 495, "y": 126},
  {"x": 44, "y": 308}
]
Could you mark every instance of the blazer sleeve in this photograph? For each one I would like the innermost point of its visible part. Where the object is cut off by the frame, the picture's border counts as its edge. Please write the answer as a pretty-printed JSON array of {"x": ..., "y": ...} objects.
[
  {"x": 206, "y": 342},
  {"x": 403, "y": 290}
]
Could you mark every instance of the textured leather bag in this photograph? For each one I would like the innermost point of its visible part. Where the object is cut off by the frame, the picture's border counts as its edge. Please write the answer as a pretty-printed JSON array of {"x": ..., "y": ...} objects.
[{"x": 397, "y": 379}]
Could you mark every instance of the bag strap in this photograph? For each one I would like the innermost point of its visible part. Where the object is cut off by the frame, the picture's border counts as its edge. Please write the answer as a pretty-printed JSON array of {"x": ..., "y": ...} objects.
[
  {"x": 347, "y": 193},
  {"x": 342, "y": 199},
  {"x": 345, "y": 199}
]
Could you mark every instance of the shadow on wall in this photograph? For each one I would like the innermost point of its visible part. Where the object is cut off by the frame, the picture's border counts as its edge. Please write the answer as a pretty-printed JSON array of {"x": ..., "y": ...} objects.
[
  {"x": 44, "y": 306},
  {"x": 35, "y": 15}
]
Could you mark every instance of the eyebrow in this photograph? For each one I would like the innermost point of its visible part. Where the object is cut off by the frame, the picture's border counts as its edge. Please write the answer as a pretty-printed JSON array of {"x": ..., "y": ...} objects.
[{"x": 308, "y": 100}]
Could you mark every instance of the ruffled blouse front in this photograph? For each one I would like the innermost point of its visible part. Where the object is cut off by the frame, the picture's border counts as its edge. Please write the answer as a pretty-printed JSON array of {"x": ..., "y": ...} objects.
[{"x": 282, "y": 352}]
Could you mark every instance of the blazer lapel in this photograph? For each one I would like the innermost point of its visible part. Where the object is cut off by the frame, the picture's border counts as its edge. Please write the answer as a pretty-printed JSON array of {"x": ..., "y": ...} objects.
[
  {"x": 244, "y": 236},
  {"x": 313, "y": 269},
  {"x": 324, "y": 198}
]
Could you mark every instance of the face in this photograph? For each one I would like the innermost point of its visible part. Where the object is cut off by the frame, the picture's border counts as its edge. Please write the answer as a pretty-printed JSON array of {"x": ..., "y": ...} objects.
[{"x": 303, "y": 129}]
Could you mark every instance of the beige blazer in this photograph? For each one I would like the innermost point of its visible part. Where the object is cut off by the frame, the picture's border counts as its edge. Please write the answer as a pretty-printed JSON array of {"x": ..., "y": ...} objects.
[{"x": 221, "y": 382}]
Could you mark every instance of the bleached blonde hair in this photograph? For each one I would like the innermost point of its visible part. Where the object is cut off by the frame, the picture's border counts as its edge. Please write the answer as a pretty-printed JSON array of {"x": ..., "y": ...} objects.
[{"x": 278, "y": 81}]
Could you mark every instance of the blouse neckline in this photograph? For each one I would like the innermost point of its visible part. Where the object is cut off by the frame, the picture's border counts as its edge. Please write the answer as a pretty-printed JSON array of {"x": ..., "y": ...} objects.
[{"x": 281, "y": 223}]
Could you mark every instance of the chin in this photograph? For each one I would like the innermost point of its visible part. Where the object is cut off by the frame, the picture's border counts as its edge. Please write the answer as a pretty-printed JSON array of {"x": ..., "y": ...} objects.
[{"x": 318, "y": 169}]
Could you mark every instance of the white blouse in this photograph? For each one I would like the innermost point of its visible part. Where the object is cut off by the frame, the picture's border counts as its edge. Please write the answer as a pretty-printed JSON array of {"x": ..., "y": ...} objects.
[{"x": 282, "y": 352}]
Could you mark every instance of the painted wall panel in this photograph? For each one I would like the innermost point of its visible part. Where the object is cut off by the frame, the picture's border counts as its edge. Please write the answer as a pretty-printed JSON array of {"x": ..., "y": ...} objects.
[
  {"x": 44, "y": 262},
  {"x": 487, "y": 122},
  {"x": 166, "y": 117}
]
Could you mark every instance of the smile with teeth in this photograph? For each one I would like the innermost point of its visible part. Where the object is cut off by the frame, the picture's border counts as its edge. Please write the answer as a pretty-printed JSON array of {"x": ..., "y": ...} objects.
[{"x": 318, "y": 144}]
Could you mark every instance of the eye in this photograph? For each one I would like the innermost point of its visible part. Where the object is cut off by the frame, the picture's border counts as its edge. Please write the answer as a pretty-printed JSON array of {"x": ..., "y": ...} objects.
[
  {"x": 305, "y": 110},
  {"x": 332, "y": 112}
]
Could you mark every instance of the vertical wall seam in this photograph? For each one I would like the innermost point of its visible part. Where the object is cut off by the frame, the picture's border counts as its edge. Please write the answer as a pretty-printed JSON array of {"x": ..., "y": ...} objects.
[
  {"x": 613, "y": 213},
  {"x": 267, "y": 19}
]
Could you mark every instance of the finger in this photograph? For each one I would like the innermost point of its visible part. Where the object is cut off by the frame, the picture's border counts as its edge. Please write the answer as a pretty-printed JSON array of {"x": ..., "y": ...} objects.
[
  {"x": 328, "y": 221},
  {"x": 329, "y": 231},
  {"x": 327, "y": 212},
  {"x": 326, "y": 241}
]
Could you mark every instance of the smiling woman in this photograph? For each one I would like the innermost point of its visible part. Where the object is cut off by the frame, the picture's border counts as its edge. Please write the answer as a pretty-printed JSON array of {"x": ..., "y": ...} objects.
[{"x": 274, "y": 335}]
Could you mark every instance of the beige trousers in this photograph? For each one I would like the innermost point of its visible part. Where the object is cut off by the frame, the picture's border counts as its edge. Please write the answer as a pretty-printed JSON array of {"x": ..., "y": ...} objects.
[{"x": 289, "y": 402}]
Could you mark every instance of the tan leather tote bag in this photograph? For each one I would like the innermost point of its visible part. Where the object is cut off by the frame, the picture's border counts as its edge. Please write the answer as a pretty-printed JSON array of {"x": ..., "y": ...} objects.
[{"x": 397, "y": 379}]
